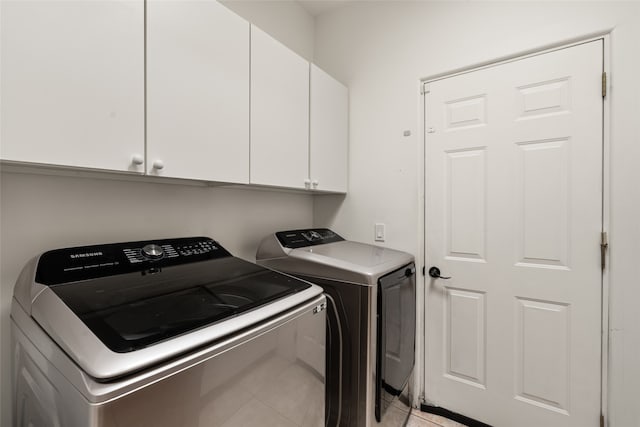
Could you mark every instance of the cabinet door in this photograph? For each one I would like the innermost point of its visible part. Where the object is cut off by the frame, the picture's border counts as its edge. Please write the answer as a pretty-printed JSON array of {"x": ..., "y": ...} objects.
[
  {"x": 329, "y": 132},
  {"x": 73, "y": 83},
  {"x": 279, "y": 113},
  {"x": 197, "y": 91}
]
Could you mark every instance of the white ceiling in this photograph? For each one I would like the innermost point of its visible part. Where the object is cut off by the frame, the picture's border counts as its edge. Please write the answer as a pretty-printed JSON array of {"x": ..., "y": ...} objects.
[{"x": 318, "y": 7}]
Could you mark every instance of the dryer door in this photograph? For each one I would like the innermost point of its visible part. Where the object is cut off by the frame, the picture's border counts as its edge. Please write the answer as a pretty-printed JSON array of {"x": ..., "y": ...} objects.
[{"x": 396, "y": 334}]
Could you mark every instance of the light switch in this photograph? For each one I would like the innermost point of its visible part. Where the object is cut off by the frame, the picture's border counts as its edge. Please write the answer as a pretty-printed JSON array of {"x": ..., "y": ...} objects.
[{"x": 379, "y": 235}]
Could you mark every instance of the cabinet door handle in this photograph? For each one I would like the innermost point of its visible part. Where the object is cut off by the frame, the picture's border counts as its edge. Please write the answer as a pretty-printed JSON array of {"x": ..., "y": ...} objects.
[
  {"x": 137, "y": 159},
  {"x": 314, "y": 183},
  {"x": 158, "y": 164},
  {"x": 307, "y": 183}
]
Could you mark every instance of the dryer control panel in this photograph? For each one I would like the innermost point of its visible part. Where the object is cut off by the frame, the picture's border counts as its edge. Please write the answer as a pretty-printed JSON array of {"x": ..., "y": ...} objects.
[{"x": 293, "y": 239}]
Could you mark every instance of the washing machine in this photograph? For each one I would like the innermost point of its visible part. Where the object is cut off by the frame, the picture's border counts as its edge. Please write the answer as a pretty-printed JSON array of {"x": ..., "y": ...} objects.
[
  {"x": 371, "y": 318},
  {"x": 165, "y": 333}
]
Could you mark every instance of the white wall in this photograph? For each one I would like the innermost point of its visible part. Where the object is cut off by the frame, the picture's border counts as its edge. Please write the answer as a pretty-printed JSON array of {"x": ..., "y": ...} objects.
[
  {"x": 39, "y": 212},
  {"x": 286, "y": 21},
  {"x": 382, "y": 49}
]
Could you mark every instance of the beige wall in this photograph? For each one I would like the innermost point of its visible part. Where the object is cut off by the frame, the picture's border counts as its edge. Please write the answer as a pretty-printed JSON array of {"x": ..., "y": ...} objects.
[
  {"x": 382, "y": 49},
  {"x": 286, "y": 21}
]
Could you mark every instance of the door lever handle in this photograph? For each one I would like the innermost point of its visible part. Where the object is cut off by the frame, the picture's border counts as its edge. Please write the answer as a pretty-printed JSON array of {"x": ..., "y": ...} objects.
[{"x": 435, "y": 273}]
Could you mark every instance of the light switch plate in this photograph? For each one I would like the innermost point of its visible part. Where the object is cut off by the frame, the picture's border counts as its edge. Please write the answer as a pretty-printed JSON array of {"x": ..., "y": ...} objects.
[{"x": 379, "y": 232}]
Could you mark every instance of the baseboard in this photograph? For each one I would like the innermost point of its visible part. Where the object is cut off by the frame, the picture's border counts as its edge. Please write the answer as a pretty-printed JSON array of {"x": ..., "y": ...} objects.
[{"x": 462, "y": 419}]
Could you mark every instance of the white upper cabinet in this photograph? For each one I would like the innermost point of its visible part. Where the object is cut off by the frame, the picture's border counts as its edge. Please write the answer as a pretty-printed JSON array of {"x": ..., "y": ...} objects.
[
  {"x": 279, "y": 114},
  {"x": 224, "y": 102},
  {"x": 73, "y": 83},
  {"x": 329, "y": 129},
  {"x": 197, "y": 91}
]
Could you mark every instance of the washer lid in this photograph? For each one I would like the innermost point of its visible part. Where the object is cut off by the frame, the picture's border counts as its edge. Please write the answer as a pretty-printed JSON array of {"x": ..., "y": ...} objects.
[
  {"x": 349, "y": 261},
  {"x": 136, "y": 310},
  {"x": 131, "y": 313}
]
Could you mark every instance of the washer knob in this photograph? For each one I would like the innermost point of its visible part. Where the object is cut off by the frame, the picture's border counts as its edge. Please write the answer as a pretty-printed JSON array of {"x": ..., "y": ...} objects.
[{"x": 152, "y": 251}]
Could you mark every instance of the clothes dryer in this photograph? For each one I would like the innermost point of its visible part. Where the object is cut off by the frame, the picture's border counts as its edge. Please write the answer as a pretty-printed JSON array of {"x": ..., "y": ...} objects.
[{"x": 371, "y": 318}]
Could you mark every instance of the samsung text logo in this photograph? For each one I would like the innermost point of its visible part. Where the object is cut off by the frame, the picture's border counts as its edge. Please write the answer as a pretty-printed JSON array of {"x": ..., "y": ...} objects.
[{"x": 85, "y": 255}]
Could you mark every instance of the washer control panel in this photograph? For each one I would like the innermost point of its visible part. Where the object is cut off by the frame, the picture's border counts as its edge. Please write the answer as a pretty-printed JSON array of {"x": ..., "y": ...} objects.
[
  {"x": 90, "y": 262},
  {"x": 157, "y": 251},
  {"x": 197, "y": 248}
]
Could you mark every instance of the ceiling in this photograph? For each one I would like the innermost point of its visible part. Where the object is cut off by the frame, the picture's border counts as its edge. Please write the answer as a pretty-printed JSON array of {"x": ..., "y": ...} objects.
[{"x": 318, "y": 7}]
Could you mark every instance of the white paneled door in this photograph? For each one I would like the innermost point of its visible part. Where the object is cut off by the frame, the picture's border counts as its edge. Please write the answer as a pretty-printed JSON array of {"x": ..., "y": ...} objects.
[{"x": 514, "y": 218}]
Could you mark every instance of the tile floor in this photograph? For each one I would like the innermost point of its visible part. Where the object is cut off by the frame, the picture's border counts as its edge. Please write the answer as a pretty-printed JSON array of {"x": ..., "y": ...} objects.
[
  {"x": 278, "y": 392},
  {"x": 397, "y": 412},
  {"x": 422, "y": 419}
]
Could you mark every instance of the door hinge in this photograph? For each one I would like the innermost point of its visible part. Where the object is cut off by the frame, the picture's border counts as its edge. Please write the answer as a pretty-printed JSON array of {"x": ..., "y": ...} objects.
[
  {"x": 604, "y": 84},
  {"x": 424, "y": 270},
  {"x": 424, "y": 89},
  {"x": 604, "y": 245},
  {"x": 601, "y": 420}
]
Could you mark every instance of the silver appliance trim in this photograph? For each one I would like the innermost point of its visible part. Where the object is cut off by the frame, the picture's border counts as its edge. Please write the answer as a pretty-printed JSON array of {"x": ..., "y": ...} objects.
[
  {"x": 77, "y": 340},
  {"x": 96, "y": 392}
]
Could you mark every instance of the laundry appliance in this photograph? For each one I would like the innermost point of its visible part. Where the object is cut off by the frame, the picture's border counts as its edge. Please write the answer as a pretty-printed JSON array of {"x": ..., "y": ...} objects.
[
  {"x": 165, "y": 333},
  {"x": 371, "y": 318}
]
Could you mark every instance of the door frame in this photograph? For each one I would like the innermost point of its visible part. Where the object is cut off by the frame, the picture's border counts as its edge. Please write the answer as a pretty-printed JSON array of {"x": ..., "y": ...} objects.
[{"x": 423, "y": 84}]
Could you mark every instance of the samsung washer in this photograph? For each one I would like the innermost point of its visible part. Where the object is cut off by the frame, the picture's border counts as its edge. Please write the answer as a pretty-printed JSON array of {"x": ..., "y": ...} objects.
[
  {"x": 371, "y": 319},
  {"x": 173, "y": 332}
]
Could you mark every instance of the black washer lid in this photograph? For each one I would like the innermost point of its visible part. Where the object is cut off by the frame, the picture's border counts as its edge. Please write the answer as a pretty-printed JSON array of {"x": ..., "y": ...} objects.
[{"x": 130, "y": 297}]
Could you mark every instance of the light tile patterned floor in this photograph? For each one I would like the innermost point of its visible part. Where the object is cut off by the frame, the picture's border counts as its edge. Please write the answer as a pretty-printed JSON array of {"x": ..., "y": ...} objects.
[
  {"x": 397, "y": 412},
  {"x": 423, "y": 419}
]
